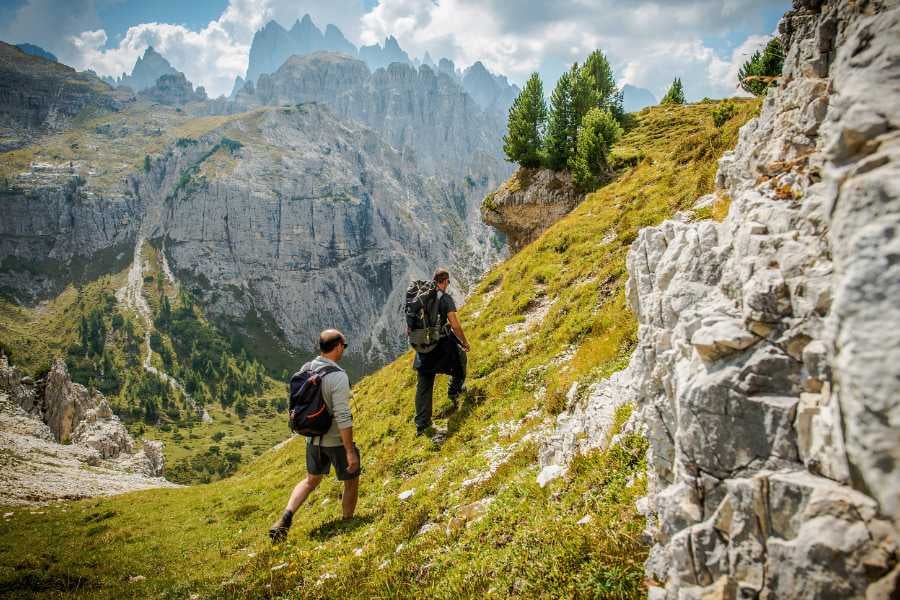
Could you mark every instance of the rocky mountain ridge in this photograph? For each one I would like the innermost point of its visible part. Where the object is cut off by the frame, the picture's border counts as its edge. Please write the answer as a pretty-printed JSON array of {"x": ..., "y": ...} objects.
[
  {"x": 87, "y": 213},
  {"x": 763, "y": 382},
  {"x": 415, "y": 109},
  {"x": 147, "y": 70},
  {"x": 273, "y": 46}
]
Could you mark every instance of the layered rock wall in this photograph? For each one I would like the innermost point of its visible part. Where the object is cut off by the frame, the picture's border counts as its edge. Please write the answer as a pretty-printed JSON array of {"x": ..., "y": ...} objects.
[
  {"x": 766, "y": 377},
  {"x": 528, "y": 203}
]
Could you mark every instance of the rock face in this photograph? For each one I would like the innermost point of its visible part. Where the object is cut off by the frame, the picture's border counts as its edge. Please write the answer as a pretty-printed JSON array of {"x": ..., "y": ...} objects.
[
  {"x": 55, "y": 231},
  {"x": 528, "y": 203},
  {"x": 764, "y": 377},
  {"x": 173, "y": 89},
  {"x": 417, "y": 110},
  {"x": 766, "y": 382},
  {"x": 312, "y": 222},
  {"x": 98, "y": 457}
]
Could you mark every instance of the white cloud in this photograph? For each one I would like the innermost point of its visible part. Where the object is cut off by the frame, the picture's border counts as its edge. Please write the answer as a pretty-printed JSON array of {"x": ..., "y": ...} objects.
[
  {"x": 212, "y": 56},
  {"x": 648, "y": 41}
]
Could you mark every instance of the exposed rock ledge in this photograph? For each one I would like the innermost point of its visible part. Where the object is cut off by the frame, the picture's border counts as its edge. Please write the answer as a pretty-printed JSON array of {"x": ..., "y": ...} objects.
[
  {"x": 528, "y": 203},
  {"x": 766, "y": 375},
  {"x": 99, "y": 458}
]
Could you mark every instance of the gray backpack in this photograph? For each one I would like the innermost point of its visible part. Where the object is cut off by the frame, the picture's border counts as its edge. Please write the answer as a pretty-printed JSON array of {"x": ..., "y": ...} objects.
[{"x": 422, "y": 318}]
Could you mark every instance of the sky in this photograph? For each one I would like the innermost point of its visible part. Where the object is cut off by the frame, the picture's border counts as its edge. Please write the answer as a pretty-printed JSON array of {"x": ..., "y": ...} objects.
[{"x": 648, "y": 42}]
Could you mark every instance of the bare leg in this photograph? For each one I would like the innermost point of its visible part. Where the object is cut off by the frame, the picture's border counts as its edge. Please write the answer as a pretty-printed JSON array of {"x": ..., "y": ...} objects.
[
  {"x": 302, "y": 491},
  {"x": 351, "y": 493}
]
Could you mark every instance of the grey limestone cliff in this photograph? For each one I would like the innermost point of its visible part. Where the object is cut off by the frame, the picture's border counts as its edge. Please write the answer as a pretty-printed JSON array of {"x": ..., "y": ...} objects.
[
  {"x": 416, "y": 110},
  {"x": 766, "y": 373},
  {"x": 307, "y": 220}
]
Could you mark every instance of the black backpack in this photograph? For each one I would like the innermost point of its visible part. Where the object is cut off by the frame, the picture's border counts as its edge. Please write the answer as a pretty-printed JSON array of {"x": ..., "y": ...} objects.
[
  {"x": 422, "y": 320},
  {"x": 307, "y": 412}
]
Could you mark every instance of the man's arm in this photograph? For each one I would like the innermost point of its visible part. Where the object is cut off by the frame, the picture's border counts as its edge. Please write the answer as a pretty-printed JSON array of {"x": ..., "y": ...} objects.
[
  {"x": 340, "y": 400},
  {"x": 458, "y": 330}
]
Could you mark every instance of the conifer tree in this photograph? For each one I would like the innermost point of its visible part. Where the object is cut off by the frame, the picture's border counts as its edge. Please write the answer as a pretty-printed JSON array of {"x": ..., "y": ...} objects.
[
  {"x": 759, "y": 73},
  {"x": 556, "y": 142},
  {"x": 571, "y": 100},
  {"x": 608, "y": 96},
  {"x": 527, "y": 120},
  {"x": 675, "y": 95},
  {"x": 599, "y": 131}
]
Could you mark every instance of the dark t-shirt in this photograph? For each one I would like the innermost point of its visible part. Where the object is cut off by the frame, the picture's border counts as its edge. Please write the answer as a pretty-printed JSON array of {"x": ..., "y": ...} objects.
[
  {"x": 446, "y": 305},
  {"x": 445, "y": 357}
]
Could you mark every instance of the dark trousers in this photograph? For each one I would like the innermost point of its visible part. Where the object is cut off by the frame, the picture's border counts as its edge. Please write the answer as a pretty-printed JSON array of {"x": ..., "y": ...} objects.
[{"x": 425, "y": 390}]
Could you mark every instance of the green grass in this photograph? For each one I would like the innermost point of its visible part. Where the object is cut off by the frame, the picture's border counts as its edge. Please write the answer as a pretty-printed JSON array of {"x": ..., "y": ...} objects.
[{"x": 210, "y": 539}]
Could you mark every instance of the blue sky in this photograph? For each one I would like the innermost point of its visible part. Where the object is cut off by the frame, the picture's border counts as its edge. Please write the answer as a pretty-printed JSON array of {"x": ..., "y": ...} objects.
[{"x": 648, "y": 41}]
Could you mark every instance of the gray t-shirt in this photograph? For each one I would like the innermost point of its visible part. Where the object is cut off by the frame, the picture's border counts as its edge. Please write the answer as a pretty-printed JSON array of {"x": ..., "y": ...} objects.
[{"x": 336, "y": 393}]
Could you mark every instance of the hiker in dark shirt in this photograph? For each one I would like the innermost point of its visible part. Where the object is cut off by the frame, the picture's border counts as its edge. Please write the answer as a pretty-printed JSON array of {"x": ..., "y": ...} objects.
[{"x": 449, "y": 357}]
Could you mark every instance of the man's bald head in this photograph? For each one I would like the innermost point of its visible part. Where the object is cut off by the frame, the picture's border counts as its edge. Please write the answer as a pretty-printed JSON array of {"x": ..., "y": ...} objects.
[{"x": 330, "y": 339}]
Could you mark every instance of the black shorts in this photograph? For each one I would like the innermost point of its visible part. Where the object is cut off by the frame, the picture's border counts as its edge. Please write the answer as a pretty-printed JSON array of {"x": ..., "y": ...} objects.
[{"x": 320, "y": 458}]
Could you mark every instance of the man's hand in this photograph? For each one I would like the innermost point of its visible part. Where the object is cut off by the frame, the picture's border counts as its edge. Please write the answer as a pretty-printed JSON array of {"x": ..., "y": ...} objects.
[
  {"x": 466, "y": 346},
  {"x": 352, "y": 461}
]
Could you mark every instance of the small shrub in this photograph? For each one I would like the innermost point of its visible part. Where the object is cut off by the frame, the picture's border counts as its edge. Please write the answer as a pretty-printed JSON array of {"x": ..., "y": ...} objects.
[{"x": 723, "y": 113}]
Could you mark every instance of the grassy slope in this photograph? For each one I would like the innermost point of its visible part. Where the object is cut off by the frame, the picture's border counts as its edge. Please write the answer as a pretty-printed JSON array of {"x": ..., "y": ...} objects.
[{"x": 210, "y": 539}]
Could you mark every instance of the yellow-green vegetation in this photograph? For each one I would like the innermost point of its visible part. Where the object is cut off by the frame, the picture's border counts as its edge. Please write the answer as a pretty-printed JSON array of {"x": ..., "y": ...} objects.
[
  {"x": 106, "y": 146},
  {"x": 551, "y": 316}
]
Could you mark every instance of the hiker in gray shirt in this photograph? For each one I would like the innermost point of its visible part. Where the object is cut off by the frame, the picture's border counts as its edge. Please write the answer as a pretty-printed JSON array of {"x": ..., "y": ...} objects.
[{"x": 336, "y": 446}]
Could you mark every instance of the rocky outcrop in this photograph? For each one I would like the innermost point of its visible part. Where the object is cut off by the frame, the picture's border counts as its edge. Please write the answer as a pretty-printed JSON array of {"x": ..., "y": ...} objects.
[
  {"x": 97, "y": 457},
  {"x": 528, "y": 203},
  {"x": 764, "y": 379}
]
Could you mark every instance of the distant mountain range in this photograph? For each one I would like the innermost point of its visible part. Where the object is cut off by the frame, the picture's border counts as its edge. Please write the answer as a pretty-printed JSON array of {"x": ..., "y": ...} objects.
[
  {"x": 635, "y": 98},
  {"x": 273, "y": 45}
]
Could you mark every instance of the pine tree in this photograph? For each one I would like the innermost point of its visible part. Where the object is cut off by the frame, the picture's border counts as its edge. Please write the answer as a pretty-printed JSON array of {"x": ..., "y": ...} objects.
[
  {"x": 759, "y": 73},
  {"x": 599, "y": 131},
  {"x": 527, "y": 120},
  {"x": 573, "y": 97},
  {"x": 556, "y": 142},
  {"x": 608, "y": 95},
  {"x": 675, "y": 95}
]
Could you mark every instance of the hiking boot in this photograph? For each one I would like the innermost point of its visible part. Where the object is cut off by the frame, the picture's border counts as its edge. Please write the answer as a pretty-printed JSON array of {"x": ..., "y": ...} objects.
[
  {"x": 278, "y": 532},
  {"x": 426, "y": 431}
]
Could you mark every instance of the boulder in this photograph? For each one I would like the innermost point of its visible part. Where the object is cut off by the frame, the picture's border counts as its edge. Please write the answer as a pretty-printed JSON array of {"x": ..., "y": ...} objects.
[{"x": 65, "y": 402}]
